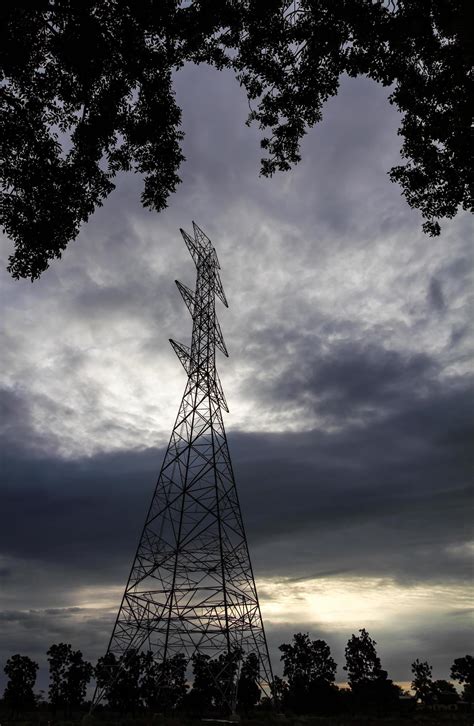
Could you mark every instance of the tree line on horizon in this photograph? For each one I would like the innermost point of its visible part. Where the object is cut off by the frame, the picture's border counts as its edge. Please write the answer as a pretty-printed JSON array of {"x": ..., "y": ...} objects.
[{"x": 307, "y": 686}]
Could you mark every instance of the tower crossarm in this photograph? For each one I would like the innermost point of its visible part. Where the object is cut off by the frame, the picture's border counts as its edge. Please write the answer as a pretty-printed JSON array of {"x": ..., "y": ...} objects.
[
  {"x": 220, "y": 339},
  {"x": 183, "y": 353},
  {"x": 187, "y": 295}
]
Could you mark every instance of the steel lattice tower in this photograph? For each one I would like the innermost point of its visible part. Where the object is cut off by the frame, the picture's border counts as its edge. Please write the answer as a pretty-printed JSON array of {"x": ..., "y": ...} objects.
[{"x": 191, "y": 587}]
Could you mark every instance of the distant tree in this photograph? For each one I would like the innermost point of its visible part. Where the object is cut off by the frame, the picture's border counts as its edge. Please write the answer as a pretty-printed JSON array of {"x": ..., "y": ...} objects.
[
  {"x": 422, "y": 683},
  {"x": 362, "y": 662},
  {"x": 248, "y": 689},
  {"x": 311, "y": 671},
  {"x": 307, "y": 661},
  {"x": 100, "y": 75},
  {"x": 280, "y": 691},
  {"x": 369, "y": 683},
  {"x": 21, "y": 672},
  {"x": 468, "y": 693},
  {"x": 163, "y": 684},
  {"x": 462, "y": 671},
  {"x": 213, "y": 681},
  {"x": 78, "y": 678},
  {"x": 224, "y": 674},
  {"x": 121, "y": 679},
  {"x": 442, "y": 686},
  {"x": 444, "y": 691},
  {"x": 58, "y": 657},
  {"x": 69, "y": 676},
  {"x": 201, "y": 697}
]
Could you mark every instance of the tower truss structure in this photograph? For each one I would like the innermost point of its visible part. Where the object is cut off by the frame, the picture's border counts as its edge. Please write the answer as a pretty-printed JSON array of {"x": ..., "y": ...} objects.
[{"x": 191, "y": 587}]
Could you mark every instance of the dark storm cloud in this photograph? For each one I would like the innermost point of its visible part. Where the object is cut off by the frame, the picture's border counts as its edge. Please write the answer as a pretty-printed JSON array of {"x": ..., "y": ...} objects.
[
  {"x": 392, "y": 496},
  {"x": 435, "y": 295},
  {"x": 20, "y": 428},
  {"x": 17, "y": 430},
  {"x": 345, "y": 381},
  {"x": 15, "y": 424},
  {"x": 351, "y": 376},
  {"x": 389, "y": 495},
  {"x": 85, "y": 512},
  {"x": 51, "y": 622},
  {"x": 458, "y": 334}
]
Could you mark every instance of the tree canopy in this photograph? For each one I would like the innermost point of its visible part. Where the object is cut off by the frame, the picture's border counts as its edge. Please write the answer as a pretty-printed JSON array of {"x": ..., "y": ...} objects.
[
  {"x": 163, "y": 684},
  {"x": 69, "y": 676},
  {"x": 139, "y": 683},
  {"x": 87, "y": 92},
  {"x": 248, "y": 690},
  {"x": 121, "y": 676},
  {"x": 362, "y": 662},
  {"x": 370, "y": 685},
  {"x": 311, "y": 672},
  {"x": 462, "y": 671},
  {"x": 21, "y": 672},
  {"x": 422, "y": 683}
]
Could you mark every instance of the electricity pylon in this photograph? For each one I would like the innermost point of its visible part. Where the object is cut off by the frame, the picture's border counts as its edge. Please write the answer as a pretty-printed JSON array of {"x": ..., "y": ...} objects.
[{"x": 191, "y": 589}]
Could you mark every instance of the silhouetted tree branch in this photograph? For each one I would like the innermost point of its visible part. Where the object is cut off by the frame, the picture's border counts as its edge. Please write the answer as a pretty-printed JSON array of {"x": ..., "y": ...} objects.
[{"x": 87, "y": 92}]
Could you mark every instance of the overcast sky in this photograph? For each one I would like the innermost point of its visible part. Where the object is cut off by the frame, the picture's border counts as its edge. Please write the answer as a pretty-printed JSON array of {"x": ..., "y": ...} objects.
[{"x": 348, "y": 384}]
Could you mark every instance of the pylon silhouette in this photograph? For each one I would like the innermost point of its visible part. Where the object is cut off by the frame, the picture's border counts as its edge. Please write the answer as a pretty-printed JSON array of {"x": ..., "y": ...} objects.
[{"x": 191, "y": 588}]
